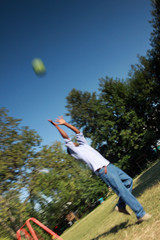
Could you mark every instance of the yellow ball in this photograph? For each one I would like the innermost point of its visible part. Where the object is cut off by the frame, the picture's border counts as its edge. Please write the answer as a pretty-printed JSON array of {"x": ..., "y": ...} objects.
[{"x": 38, "y": 66}]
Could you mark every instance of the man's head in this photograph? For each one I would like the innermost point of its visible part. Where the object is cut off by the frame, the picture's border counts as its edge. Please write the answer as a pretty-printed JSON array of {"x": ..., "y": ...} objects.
[{"x": 76, "y": 144}]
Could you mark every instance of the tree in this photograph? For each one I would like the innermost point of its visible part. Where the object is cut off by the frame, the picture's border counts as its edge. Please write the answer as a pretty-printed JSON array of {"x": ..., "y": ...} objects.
[
  {"x": 81, "y": 107},
  {"x": 154, "y": 53},
  {"x": 144, "y": 81},
  {"x": 154, "y": 59},
  {"x": 109, "y": 120},
  {"x": 17, "y": 152}
]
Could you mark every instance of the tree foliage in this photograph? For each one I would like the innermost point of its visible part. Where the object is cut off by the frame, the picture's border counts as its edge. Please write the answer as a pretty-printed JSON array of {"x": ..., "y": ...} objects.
[{"x": 16, "y": 158}]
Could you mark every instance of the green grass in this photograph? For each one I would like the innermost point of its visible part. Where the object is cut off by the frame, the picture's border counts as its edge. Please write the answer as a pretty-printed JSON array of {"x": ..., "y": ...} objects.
[{"x": 105, "y": 223}]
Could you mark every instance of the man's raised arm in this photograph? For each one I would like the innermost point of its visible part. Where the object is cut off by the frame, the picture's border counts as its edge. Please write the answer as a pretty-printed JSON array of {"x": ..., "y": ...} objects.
[
  {"x": 61, "y": 131},
  {"x": 61, "y": 121}
]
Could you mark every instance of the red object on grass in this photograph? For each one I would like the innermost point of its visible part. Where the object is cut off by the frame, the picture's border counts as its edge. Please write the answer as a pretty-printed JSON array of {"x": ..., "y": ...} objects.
[{"x": 33, "y": 235}]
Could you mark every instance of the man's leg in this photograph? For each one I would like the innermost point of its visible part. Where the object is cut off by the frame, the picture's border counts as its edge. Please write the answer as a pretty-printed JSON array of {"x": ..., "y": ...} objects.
[
  {"x": 128, "y": 183},
  {"x": 112, "y": 178}
]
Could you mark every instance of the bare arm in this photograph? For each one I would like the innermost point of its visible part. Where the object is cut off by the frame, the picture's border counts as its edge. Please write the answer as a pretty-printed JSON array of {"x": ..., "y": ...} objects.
[
  {"x": 61, "y": 131},
  {"x": 61, "y": 121}
]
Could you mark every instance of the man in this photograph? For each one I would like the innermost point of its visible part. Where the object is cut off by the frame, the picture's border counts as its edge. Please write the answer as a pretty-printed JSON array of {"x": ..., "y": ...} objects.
[{"x": 114, "y": 177}]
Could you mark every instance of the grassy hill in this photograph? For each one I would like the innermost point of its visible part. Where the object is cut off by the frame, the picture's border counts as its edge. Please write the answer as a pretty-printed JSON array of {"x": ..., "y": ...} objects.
[{"x": 105, "y": 223}]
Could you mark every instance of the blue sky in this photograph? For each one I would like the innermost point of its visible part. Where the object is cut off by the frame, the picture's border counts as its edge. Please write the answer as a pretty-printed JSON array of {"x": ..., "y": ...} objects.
[{"x": 79, "y": 41}]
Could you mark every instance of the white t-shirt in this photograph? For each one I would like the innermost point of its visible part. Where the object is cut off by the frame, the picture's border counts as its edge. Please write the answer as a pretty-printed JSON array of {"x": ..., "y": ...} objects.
[{"x": 86, "y": 153}]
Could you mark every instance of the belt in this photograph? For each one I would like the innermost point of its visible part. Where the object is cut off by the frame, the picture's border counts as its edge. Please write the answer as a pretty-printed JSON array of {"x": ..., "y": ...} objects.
[{"x": 105, "y": 169}]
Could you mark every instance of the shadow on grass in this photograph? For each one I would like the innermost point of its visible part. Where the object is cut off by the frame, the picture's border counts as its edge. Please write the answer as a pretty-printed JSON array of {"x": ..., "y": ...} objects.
[
  {"x": 114, "y": 230},
  {"x": 147, "y": 179}
]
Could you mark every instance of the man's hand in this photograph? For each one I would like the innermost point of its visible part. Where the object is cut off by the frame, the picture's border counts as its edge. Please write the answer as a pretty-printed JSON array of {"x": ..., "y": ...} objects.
[
  {"x": 55, "y": 124},
  {"x": 60, "y": 120},
  {"x": 61, "y": 131}
]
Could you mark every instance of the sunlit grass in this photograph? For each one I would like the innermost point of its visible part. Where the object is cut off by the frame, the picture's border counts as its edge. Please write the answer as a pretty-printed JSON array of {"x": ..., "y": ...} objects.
[{"x": 105, "y": 223}]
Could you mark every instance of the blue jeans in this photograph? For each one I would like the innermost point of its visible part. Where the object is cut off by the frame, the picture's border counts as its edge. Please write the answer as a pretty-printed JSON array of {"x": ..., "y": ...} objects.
[{"x": 121, "y": 184}]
